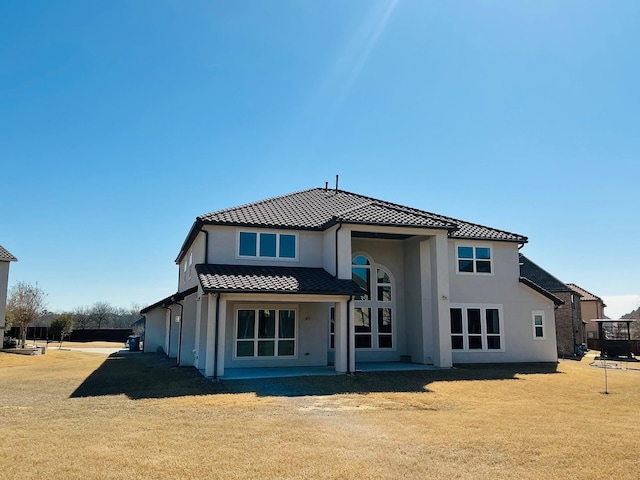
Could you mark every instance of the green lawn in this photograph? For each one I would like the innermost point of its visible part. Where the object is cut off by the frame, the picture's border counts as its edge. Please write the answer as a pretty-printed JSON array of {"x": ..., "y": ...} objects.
[{"x": 70, "y": 414}]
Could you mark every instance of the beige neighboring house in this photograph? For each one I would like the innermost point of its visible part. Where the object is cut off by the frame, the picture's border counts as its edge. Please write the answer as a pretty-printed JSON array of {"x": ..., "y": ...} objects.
[
  {"x": 5, "y": 259},
  {"x": 592, "y": 308}
]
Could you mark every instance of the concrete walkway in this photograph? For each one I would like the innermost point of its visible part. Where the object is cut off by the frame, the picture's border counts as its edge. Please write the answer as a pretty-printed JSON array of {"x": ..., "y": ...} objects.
[
  {"x": 280, "y": 372},
  {"x": 100, "y": 350}
]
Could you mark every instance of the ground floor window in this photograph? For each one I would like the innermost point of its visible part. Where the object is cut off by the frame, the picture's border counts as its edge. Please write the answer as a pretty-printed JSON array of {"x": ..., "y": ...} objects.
[
  {"x": 538, "y": 324},
  {"x": 373, "y": 327},
  {"x": 364, "y": 334},
  {"x": 265, "y": 333},
  {"x": 476, "y": 327}
]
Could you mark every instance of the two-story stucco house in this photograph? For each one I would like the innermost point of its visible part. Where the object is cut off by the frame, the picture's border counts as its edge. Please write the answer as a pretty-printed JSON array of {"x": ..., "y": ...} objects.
[
  {"x": 329, "y": 277},
  {"x": 5, "y": 259}
]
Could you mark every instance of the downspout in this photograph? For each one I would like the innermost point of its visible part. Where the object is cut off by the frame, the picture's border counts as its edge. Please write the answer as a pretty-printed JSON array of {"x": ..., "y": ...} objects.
[
  {"x": 349, "y": 335},
  {"x": 215, "y": 346},
  {"x": 169, "y": 342},
  {"x": 180, "y": 334}
]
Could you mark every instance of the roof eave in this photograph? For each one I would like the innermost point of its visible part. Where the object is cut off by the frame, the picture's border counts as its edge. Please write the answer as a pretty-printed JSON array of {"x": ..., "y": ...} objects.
[
  {"x": 521, "y": 240},
  {"x": 276, "y": 292},
  {"x": 170, "y": 300},
  {"x": 542, "y": 291},
  {"x": 191, "y": 236}
]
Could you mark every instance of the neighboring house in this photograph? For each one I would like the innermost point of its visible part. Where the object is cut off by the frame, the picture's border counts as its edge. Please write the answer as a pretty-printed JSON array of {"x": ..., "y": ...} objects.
[
  {"x": 5, "y": 259},
  {"x": 329, "y": 277},
  {"x": 592, "y": 308},
  {"x": 570, "y": 328}
]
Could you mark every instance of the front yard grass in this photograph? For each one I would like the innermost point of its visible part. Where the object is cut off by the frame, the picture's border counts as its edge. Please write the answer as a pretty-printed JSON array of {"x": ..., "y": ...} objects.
[{"x": 69, "y": 414}]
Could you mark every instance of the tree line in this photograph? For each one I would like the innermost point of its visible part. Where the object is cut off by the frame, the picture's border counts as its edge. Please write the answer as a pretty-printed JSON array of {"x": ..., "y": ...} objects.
[{"x": 26, "y": 307}]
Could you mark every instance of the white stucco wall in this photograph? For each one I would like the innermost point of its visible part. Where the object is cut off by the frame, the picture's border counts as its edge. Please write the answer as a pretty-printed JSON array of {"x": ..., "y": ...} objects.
[
  {"x": 154, "y": 331},
  {"x": 189, "y": 278},
  {"x": 174, "y": 332},
  {"x": 415, "y": 290},
  {"x": 223, "y": 248},
  {"x": 188, "y": 342},
  {"x": 517, "y": 301},
  {"x": 312, "y": 336},
  {"x": 419, "y": 328}
]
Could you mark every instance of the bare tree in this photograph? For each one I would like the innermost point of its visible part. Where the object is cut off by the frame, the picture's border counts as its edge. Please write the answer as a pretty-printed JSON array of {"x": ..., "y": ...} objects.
[
  {"x": 124, "y": 317},
  {"x": 102, "y": 314},
  {"x": 26, "y": 304},
  {"x": 82, "y": 318}
]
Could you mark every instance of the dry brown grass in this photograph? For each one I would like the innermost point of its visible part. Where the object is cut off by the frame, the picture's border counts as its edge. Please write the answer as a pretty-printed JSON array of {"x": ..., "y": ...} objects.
[{"x": 74, "y": 415}]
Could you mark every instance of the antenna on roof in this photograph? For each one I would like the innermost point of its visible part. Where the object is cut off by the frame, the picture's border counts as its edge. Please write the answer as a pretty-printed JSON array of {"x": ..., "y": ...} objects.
[{"x": 336, "y": 183}]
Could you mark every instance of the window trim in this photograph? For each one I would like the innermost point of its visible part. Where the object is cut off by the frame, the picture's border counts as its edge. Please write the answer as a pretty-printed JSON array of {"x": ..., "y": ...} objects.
[
  {"x": 483, "y": 307},
  {"x": 256, "y": 307},
  {"x": 373, "y": 304},
  {"x": 474, "y": 246},
  {"x": 278, "y": 234},
  {"x": 540, "y": 313}
]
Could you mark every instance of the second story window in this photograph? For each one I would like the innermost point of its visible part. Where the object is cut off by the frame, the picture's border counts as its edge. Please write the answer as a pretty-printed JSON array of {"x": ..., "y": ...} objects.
[
  {"x": 474, "y": 259},
  {"x": 267, "y": 245}
]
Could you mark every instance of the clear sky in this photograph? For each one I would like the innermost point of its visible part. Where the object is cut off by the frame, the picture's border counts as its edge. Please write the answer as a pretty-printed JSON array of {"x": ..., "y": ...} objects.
[{"x": 122, "y": 121}]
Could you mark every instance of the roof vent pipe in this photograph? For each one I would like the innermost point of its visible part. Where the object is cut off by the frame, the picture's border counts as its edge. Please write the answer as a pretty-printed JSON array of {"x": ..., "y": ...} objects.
[
  {"x": 326, "y": 186},
  {"x": 336, "y": 183}
]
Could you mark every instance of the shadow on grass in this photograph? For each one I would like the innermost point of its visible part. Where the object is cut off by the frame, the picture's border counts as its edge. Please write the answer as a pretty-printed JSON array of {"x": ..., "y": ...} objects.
[{"x": 140, "y": 376}]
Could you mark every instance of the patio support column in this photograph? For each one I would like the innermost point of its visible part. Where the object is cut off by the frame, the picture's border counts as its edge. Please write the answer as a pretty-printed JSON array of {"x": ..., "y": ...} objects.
[
  {"x": 211, "y": 336},
  {"x": 440, "y": 301},
  {"x": 222, "y": 323},
  {"x": 343, "y": 337},
  {"x": 196, "y": 353}
]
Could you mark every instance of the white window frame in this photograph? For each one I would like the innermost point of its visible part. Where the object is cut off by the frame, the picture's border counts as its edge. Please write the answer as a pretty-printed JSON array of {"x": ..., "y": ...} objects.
[
  {"x": 256, "y": 308},
  {"x": 534, "y": 314},
  {"x": 474, "y": 246},
  {"x": 483, "y": 307},
  {"x": 373, "y": 304},
  {"x": 277, "y": 233}
]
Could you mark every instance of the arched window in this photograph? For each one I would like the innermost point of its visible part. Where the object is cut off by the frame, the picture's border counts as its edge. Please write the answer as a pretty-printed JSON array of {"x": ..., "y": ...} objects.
[{"x": 374, "y": 307}]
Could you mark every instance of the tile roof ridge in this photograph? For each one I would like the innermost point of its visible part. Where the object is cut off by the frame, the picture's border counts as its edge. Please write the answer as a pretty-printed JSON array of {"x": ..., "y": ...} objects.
[
  {"x": 580, "y": 290},
  {"x": 473, "y": 224},
  {"x": 353, "y": 209},
  {"x": 437, "y": 216},
  {"x": 252, "y": 204},
  {"x": 395, "y": 206}
]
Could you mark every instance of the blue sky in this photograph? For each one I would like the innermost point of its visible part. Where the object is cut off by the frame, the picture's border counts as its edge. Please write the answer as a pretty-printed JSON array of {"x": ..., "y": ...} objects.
[{"x": 122, "y": 121}]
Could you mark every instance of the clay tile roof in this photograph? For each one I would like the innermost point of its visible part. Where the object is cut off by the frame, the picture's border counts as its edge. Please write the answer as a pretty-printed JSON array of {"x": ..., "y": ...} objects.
[
  {"x": 318, "y": 209},
  {"x": 5, "y": 256},
  {"x": 540, "y": 276},
  {"x": 270, "y": 279},
  {"x": 583, "y": 293}
]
